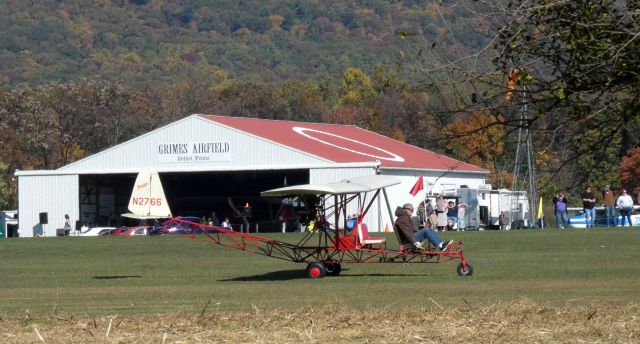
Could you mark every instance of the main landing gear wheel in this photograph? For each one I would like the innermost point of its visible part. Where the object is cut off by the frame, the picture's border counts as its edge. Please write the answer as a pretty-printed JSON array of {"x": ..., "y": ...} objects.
[
  {"x": 332, "y": 268},
  {"x": 465, "y": 271},
  {"x": 316, "y": 270}
]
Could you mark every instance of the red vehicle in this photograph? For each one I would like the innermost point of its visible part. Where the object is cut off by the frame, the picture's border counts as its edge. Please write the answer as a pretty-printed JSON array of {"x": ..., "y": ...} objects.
[
  {"x": 115, "y": 231},
  {"x": 136, "y": 231}
]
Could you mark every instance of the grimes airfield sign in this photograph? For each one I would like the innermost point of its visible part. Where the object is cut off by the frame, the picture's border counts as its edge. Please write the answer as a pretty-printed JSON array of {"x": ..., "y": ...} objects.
[{"x": 186, "y": 152}]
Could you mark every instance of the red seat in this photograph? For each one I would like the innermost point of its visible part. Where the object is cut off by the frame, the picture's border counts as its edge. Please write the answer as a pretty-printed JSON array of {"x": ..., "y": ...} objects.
[{"x": 364, "y": 240}]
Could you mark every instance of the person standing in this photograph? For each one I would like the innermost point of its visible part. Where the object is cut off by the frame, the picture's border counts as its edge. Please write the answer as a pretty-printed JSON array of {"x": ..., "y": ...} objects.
[
  {"x": 589, "y": 206},
  {"x": 428, "y": 206},
  {"x": 422, "y": 214},
  {"x": 67, "y": 224},
  {"x": 560, "y": 209},
  {"x": 441, "y": 210},
  {"x": 503, "y": 220},
  {"x": 432, "y": 222},
  {"x": 452, "y": 216},
  {"x": 609, "y": 199},
  {"x": 625, "y": 203}
]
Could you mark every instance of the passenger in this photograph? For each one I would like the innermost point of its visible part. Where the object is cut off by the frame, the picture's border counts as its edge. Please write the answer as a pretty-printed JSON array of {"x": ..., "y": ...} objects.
[
  {"x": 412, "y": 237},
  {"x": 226, "y": 224}
]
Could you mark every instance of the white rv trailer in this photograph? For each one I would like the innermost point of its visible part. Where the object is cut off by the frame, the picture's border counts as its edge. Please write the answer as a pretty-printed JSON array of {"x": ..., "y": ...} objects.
[{"x": 484, "y": 205}]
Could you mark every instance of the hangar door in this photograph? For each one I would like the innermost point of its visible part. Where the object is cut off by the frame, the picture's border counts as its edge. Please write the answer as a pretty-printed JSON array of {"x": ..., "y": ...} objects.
[{"x": 103, "y": 198}]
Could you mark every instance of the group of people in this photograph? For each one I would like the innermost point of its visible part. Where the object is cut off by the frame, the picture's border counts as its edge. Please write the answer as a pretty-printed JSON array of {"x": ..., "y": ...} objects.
[
  {"x": 443, "y": 216},
  {"x": 623, "y": 201}
]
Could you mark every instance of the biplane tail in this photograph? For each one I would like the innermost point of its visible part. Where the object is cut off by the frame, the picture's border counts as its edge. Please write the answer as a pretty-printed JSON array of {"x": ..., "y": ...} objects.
[{"x": 147, "y": 198}]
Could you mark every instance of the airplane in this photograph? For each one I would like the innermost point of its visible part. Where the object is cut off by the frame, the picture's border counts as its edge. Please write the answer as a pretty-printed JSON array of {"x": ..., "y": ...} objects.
[{"x": 325, "y": 248}]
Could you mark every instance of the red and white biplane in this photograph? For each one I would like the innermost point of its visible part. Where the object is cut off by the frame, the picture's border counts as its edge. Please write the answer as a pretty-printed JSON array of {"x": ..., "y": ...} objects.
[{"x": 325, "y": 248}]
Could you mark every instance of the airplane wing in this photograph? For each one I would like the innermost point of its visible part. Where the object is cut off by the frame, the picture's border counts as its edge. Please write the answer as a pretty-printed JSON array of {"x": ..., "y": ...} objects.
[{"x": 347, "y": 186}]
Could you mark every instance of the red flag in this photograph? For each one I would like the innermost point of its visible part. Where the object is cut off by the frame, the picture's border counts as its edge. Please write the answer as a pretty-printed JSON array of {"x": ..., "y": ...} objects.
[{"x": 417, "y": 187}]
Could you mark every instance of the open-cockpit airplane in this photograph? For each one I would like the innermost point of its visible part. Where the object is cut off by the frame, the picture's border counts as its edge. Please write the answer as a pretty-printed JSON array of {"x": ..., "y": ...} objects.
[{"x": 325, "y": 248}]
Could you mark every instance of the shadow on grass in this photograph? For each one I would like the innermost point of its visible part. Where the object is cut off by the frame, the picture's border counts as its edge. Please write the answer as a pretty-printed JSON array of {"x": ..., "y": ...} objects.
[
  {"x": 285, "y": 275},
  {"x": 116, "y": 276}
]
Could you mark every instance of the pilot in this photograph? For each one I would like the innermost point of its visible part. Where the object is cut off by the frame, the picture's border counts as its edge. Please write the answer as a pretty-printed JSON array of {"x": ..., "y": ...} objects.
[{"x": 409, "y": 234}]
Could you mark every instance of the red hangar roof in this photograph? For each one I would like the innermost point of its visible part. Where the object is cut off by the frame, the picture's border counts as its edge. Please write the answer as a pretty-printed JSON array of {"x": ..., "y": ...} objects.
[{"x": 344, "y": 143}]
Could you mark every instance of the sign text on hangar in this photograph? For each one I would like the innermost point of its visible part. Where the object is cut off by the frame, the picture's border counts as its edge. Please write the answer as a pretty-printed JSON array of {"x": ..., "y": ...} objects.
[{"x": 194, "y": 152}]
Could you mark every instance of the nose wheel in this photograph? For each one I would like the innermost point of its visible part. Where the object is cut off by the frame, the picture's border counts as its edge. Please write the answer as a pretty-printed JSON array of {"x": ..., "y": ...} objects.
[{"x": 465, "y": 270}]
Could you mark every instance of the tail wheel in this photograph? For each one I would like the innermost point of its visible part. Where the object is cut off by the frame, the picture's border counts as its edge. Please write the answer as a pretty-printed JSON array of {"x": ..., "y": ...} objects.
[
  {"x": 465, "y": 270},
  {"x": 332, "y": 268},
  {"x": 316, "y": 270}
]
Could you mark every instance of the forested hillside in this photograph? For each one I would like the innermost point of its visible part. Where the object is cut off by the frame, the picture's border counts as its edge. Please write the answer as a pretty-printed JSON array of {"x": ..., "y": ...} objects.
[
  {"x": 142, "y": 42},
  {"x": 463, "y": 78}
]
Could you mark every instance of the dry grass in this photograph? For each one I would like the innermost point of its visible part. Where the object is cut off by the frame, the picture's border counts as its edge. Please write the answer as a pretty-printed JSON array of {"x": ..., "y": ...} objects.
[{"x": 517, "y": 322}]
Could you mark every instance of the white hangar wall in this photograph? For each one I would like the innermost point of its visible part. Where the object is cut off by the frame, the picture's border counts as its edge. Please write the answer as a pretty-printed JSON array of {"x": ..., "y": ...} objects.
[
  {"x": 55, "y": 195},
  {"x": 175, "y": 148}
]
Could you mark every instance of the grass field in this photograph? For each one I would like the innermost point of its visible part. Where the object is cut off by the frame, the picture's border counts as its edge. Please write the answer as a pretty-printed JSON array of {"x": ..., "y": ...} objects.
[{"x": 168, "y": 277}]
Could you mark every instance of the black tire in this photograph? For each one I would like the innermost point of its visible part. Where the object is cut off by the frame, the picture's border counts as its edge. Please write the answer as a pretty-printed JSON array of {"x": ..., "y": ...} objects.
[
  {"x": 316, "y": 270},
  {"x": 332, "y": 268},
  {"x": 468, "y": 271}
]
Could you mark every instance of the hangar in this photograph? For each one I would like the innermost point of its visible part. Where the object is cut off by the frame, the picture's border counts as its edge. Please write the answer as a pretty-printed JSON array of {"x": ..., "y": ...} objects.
[{"x": 213, "y": 163}]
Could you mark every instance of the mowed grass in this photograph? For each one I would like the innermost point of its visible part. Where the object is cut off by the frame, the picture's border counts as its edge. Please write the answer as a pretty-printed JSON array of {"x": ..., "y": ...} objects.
[{"x": 150, "y": 275}]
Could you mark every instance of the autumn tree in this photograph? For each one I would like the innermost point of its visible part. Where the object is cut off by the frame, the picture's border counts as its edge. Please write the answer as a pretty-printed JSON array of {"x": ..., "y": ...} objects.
[
  {"x": 630, "y": 171},
  {"x": 55, "y": 124},
  {"x": 477, "y": 139}
]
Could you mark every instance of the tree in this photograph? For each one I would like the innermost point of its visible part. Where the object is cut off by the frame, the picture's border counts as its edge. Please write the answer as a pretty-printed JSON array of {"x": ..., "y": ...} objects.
[
  {"x": 578, "y": 66},
  {"x": 630, "y": 171},
  {"x": 356, "y": 88},
  {"x": 477, "y": 139},
  {"x": 572, "y": 67}
]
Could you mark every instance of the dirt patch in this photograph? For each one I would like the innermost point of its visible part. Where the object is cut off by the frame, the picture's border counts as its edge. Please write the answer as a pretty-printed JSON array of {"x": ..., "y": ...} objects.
[{"x": 517, "y": 322}]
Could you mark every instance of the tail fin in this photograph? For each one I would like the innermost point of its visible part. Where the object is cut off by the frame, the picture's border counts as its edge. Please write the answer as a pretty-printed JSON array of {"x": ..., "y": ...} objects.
[{"x": 147, "y": 197}]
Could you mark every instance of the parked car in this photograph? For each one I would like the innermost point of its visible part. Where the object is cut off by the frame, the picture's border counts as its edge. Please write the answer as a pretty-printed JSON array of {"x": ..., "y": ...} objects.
[
  {"x": 169, "y": 227},
  {"x": 137, "y": 231},
  {"x": 93, "y": 231},
  {"x": 115, "y": 231}
]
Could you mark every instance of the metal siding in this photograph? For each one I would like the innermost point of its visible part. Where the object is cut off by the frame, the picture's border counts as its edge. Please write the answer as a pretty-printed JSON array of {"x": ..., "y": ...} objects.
[
  {"x": 246, "y": 150},
  {"x": 56, "y": 195}
]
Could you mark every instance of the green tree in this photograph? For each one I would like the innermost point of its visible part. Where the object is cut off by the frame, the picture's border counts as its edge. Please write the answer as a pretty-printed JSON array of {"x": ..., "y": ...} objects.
[{"x": 356, "y": 88}]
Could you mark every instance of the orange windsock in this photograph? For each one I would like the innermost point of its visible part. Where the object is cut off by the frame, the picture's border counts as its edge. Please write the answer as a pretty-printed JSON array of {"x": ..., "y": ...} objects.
[{"x": 513, "y": 76}]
